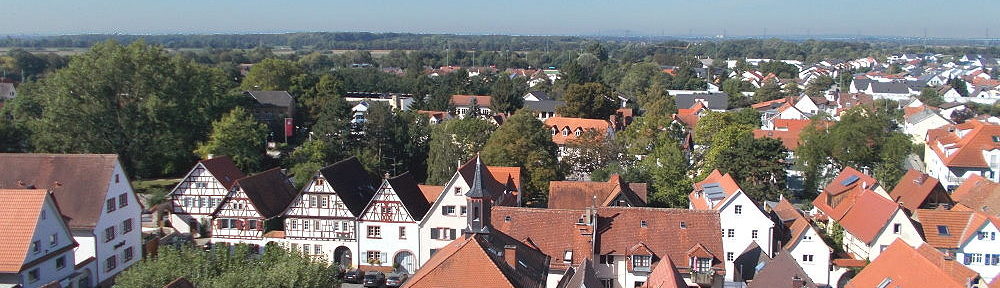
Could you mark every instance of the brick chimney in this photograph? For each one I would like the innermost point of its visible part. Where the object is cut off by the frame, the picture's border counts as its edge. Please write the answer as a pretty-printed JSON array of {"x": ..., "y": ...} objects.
[
  {"x": 510, "y": 256},
  {"x": 797, "y": 282}
]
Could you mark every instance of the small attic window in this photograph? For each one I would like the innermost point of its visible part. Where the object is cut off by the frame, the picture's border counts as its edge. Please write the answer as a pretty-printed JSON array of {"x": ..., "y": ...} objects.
[
  {"x": 943, "y": 230},
  {"x": 506, "y": 218},
  {"x": 643, "y": 224},
  {"x": 684, "y": 225},
  {"x": 568, "y": 256},
  {"x": 996, "y": 139}
]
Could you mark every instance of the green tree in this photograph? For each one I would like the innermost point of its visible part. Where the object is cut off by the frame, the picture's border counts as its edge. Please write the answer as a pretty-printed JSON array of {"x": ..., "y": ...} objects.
[
  {"x": 816, "y": 87},
  {"x": 791, "y": 89},
  {"x": 221, "y": 267},
  {"x": 667, "y": 167},
  {"x": 508, "y": 94},
  {"x": 522, "y": 141},
  {"x": 931, "y": 97},
  {"x": 756, "y": 164},
  {"x": 135, "y": 101},
  {"x": 591, "y": 151},
  {"x": 308, "y": 158},
  {"x": 453, "y": 142},
  {"x": 767, "y": 92},
  {"x": 591, "y": 100},
  {"x": 271, "y": 74},
  {"x": 239, "y": 136}
]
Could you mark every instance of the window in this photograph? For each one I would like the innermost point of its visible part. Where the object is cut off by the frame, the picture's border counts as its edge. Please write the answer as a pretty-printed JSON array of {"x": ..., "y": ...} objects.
[
  {"x": 639, "y": 283},
  {"x": 684, "y": 225},
  {"x": 306, "y": 225},
  {"x": 402, "y": 232},
  {"x": 433, "y": 251},
  {"x": 306, "y": 248},
  {"x": 127, "y": 226},
  {"x": 643, "y": 224},
  {"x": 122, "y": 200},
  {"x": 506, "y": 218},
  {"x": 319, "y": 181},
  {"x": 317, "y": 249},
  {"x": 607, "y": 259},
  {"x": 807, "y": 258},
  {"x": 896, "y": 228},
  {"x": 36, "y": 246},
  {"x": 738, "y": 209},
  {"x": 294, "y": 223},
  {"x": 578, "y": 132},
  {"x": 608, "y": 283},
  {"x": 252, "y": 225},
  {"x": 200, "y": 185},
  {"x": 807, "y": 237},
  {"x": 463, "y": 211},
  {"x": 374, "y": 256},
  {"x": 458, "y": 190},
  {"x": 943, "y": 230},
  {"x": 33, "y": 275},
  {"x": 109, "y": 234},
  {"x": 885, "y": 283},
  {"x": 448, "y": 210},
  {"x": 568, "y": 256},
  {"x": 187, "y": 202},
  {"x": 729, "y": 256},
  {"x": 111, "y": 263},
  {"x": 703, "y": 264},
  {"x": 117, "y": 178},
  {"x": 731, "y": 233},
  {"x": 110, "y": 207},
  {"x": 641, "y": 262},
  {"x": 975, "y": 257},
  {"x": 882, "y": 247},
  {"x": 60, "y": 262},
  {"x": 127, "y": 254},
  {"x": 565, "y": 132},
  {"x": 324, "y": 201},
  {"x": 312, "y": 201},
  {"x": 753, "y": 234},
  {"x": 201, "y": 202},
  {"x": 374, "y": 232},
  {"x": 42, "y": 216},
  {"x": 475, "y": 213},
  {"x": 53, "y": 240}
]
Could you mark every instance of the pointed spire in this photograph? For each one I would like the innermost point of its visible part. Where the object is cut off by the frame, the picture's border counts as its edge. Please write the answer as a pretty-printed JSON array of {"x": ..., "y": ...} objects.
[{"x": 477, "y": 182}]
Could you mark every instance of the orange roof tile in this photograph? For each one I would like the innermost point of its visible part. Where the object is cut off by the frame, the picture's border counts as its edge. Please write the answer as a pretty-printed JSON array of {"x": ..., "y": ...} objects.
[
  {"x": 430, "y": 192},
  {"x": 914, "y": 189},
  {"x": 868, "y": 216},
  {"x": 560, "y": 123},
  {"x": 693, "y": 110},
  {"x": 583, "y": 194},
  {"x": 475, "y": 258},
  {"x": 796, "y": 230},
  {"x": 980, "y": 194},
  {"x": 785, "y": 211},
  {"x": 966, "y": 151},
  {"x": 275, "y": 234},
  {"x": 786, "y": 130},
  {"x": 621, "y": 228},
  {"x": 842, "y": 196},
  {"x": 552, "y": 231},
  {"x": 19, "y": 214},
  {"x": 508, "y": 175},
  {"x": 700, "y": 201},
  {"x": 466, "y": 100},
  {"x": 665, "y": 275},
  {"x": 689, "y": 121},
  {"x": 934, "y": 222},
  {"x": 904, "y": 266}
]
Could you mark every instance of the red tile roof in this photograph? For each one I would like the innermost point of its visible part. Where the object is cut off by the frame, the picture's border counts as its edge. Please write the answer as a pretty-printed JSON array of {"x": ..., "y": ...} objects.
[
  {"x": 868, "y": 216},
  {"x": 842, "y": 196},
  {"x": 967, "y": 150},
  {"x": 700, "y": 201},
  {"x": 552, "y": 231},
  {"x": 914, "y": 189},
  {"x": 583, "y": 194},
  {"x": 786, "y": 130},
  {"x": 19, "y": 214},
  {"x": 430, "y": 192},
  {"x": 957, "y": 224},
  {"x": 79, "y": 182},
  {"x": 511, "y": 176},
  {"x": 665, "y": 275},
  {"x": 620, "y": 228},
  {"x": 466, "y": 100},
  {"x": 908, "y": 267},
  {"x": 223, "y": 169},
  {"x": 472, "y": 261},
  {"x": 695, "y": 108},
  {"x": 980, "y": 194},
  {"x": 799, "y": 227},
  {"x": 560, "y": 123},
  {"x": 785, "y": 211},
  {"x": 499, "y": 181}
]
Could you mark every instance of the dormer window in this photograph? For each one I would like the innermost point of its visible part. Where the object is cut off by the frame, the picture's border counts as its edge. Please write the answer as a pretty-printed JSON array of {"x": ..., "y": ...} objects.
[
  {"x": 554, "y": 130},
  {"x": 684, "y": 225},
  {"x": 641, "y": 262},
  {"x": 578, "y": 132},
  {"x": 643, "y": 224},
  {"x": 506, "y": 218},
  {"x": 943, "y": 230},
  {"x": 568, "y": 256},
  {"x": 565, "y": 131},
  {"x": 458, "y": 190}
]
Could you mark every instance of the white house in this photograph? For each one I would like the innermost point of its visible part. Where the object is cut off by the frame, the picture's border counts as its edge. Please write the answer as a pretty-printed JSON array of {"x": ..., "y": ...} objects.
[
  {"x": 809, "y": 250},
  {"x": 447, "y": 215},
  {"x": 743, "y": 222},
  {"x": 390, "y": 225},
  {"x": 917, "y": 124},
  {"x": 94, "y": 192},
  {"x": 954, "y": 152},
  {"x": 37, "y": 247},
  {"x": 465, "y": 104},
  {"x": 252, "y": 204},
  {"x": 970, "y": 237},
  {"x": 199, "y": 194},
  {"x": 321, "y": 220}
]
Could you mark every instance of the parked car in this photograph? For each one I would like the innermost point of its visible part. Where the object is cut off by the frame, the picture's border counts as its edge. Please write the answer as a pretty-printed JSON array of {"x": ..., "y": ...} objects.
[
  {"x": 374, "y": 279},
  {"x": 355, "y": 276},
  {"x": 396, "y": 279}
]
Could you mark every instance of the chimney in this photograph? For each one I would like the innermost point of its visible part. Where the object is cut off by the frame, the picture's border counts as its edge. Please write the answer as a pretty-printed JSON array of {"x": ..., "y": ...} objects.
[
  {"x": 209, "y": 156},
  {"x": 797, "y": 282},
  {"x": 510, "y": 256}
]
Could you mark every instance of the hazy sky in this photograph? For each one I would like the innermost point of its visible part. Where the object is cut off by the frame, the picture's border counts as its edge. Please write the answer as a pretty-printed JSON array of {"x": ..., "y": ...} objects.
[{"x": 958, "y": 19}]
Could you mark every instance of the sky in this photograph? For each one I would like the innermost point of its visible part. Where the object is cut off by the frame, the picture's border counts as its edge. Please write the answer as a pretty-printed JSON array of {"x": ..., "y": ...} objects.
[{"x": 908, "y": 18}]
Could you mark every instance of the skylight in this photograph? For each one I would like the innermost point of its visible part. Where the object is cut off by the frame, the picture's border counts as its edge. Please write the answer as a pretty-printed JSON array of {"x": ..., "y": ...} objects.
[
  {"x": 943, "y": 230},
  {"x": 850, "y": 180}
]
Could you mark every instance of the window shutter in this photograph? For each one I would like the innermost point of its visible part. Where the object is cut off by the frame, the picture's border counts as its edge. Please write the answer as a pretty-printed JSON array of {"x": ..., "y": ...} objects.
[
  {"x": 435, "y": 233},
  {"x": 383, "y": 257},
  {"x": 967, "y": 259},
  {"x": 452, "y": 234}
]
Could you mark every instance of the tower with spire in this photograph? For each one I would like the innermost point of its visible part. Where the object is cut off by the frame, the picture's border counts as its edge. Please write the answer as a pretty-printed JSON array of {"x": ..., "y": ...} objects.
[{"x": 479, "y": 201}]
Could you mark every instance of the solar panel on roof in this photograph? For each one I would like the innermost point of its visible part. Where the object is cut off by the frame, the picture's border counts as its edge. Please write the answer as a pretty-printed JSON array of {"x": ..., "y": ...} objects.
[
  {"x": 713, "y": 191},
  {"x": 850, "y": 180}
]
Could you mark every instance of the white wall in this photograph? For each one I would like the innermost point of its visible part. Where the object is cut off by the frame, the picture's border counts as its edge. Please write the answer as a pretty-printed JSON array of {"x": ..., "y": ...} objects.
[
  {"x": 435, "y": 219},
  {"x": 988, "y": 245},
  {"x": 133, "y": 239},
  {"x": 811, "y": 244},
  {"x": 49, "y": 223},
  {"x": 390, "y": 243},
  {"x": 908, "y": 233},
  {"x": 743, "y": 225},
  {"x": 196, "y": 199}
]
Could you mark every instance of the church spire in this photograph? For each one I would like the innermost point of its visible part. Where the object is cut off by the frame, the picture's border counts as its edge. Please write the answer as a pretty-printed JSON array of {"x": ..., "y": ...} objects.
[{"x": 479, "y": 203}]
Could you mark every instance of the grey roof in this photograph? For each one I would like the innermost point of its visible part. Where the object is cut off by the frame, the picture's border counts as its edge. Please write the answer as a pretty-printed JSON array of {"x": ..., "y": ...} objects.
[
  {"x": 949, "y": 105},
  {"x": 716, "y": 101},
  {"x": 921, "y": 116},
  {"x": 544, "y": 105},
  {"x": 782, "y": 271},
  {"x": 861, "y": 84},
  {"x": 276, "y": 98},
  {"x": 890, "y": 87},
  {"x": 477, "y": 190}
]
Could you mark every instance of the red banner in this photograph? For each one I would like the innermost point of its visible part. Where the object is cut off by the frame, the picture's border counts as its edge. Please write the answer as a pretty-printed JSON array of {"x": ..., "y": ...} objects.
[{"x": 288, "y": 127}]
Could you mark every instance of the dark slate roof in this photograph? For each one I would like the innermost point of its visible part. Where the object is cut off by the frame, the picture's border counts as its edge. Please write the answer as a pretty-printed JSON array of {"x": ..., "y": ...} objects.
[
  {"x": 542, "y": 96},
  {"x": 544, "y": 105},
  {"x": 276, "y": 98},
  {"x": 409, "y": 194},
  {"x": 351, "y": 182},
  {"x": 582, "y": 276},
  {"x": 748, "y": 261},
  {"x": 479, "y": 188},
  {"x": 224, "y": 170},
  {"x": 269, "y": 191},
  {"x": 861, "y": 84},
  {"x": 716, "y": 101},
  {"x": 79, "y": 182},
  {"x": 468, "y": 173},
  {"x": 890, "y": 87},
  {"x": 782, "y": 271}
]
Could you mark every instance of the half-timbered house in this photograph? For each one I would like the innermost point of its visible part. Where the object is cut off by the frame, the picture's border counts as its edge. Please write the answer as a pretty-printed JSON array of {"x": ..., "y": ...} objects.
[
  {"x": 252, "y": 208},
  {"x": 199, "y": 194},
  {"x": 321, "y": 220},
  {"x": 389, "y": 225},
  {"x": 447, "y": 216}
]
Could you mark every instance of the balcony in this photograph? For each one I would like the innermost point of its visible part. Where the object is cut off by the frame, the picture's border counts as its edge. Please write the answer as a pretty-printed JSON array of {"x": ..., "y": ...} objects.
[{"x": 703, "y": 279}]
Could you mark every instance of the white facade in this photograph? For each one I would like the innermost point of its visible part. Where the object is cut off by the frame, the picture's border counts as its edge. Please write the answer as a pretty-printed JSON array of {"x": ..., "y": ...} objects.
[
  {"x": 951, "y": 177},
  {"x": 194, "y": 199},
  {"x": 813, "y": 255},
  {"x": 52, "y": 245},
  {"x": 447, "y": 216},
  {"x": 389, "y": 235},
  {"x": 981, "y": 252},
  {"x": 918, "y": 130},
  {"x": 238, "y": 222},
  {"x": 742, "y": 223},
  {"x": 318, "y": 223},
  {"x": 898, "y": 227},
  {"x": 121, "y": 215}
]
